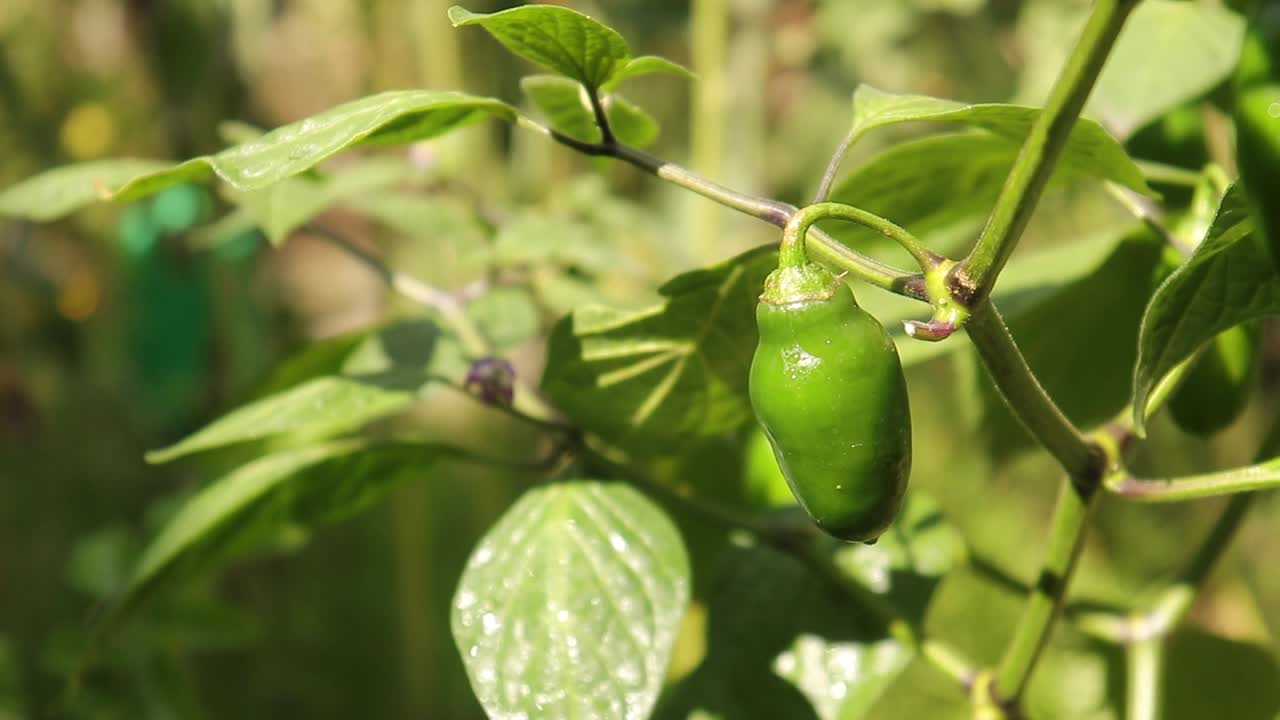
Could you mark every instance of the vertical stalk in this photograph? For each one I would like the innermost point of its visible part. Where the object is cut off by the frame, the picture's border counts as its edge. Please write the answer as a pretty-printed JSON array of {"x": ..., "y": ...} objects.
[
  {"x": 1146, "y": 663},
  {"x": 706, "y": 134},
  {"x": 1026, "y": 397},
  {"x": 1070, "y": 518},
  {"x": 976, "y": 275}
]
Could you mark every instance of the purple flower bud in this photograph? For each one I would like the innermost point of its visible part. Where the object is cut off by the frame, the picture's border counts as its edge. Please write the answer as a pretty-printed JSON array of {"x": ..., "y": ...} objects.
[{"x": 492, "y": 379}]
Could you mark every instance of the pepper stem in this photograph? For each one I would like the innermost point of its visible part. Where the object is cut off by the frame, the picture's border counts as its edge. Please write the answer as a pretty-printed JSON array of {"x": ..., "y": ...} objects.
[{"x": 792, "y": 252}]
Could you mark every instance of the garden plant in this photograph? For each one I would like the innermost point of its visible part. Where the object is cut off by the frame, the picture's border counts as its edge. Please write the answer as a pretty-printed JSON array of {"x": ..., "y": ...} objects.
[{"x": 746, "y": 443}]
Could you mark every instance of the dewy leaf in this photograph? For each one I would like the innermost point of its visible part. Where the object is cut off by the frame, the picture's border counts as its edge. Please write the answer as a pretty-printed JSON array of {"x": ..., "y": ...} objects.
[
  {"x": 307, "y": 486},
  {"x": 1229, "y": 279},
  {"x": 1089, "y": 149},
  {"x": 556, "y": 38},
  {"x": 569, "y": 606},
  {"x": 57, "y": 192},
  {"x": 1168, "y": 53},
  {"x": 319, "y": 407},
  {"x": 666, "y": 376},
  {"x": 400, "y": 116}
]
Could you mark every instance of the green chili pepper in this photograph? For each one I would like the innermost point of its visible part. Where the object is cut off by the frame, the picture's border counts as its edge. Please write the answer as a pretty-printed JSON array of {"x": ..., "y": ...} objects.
[{"x": 828, "y": 389}]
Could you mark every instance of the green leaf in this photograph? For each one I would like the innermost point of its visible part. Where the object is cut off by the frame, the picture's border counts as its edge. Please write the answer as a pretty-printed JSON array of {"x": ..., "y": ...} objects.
[
  {"x": 507, "y": 316},
  {"x": 663, "y": 377},
  {"x": 308, "y": 486},
  {"x": 1211, "y": 676},
  {"x": 57, "y": 192},
  {"x": 569, "y": 606},
  {"x": 290, "y": 203},
  {"x": 565, "y": 105},
  {"x": 647, "y": 65},
  {"x": 1029, "y": 281},
  {"x": 769, "y": 614},
  {"x": 1089, "y": 149},
  {"x": 630, "y": 123},
  {"x": 556, "y": 38},
  {"x": 841, "y": 679},
  {"x": 400, "y": 116},
  {"x": 930, "y": 186},
  {"x": 316, "y": 408},
  {"x": 908, "y": 561},
  {"x": 1228, "y": 280},
  {"x": 1083, "y": 329},
  {"x": 568, "y": 110},
  {"x": 1168, "y": 53}
]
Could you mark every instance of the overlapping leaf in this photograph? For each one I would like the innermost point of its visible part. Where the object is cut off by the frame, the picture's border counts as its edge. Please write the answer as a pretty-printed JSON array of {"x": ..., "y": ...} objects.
[
  {"x": 302, "y": 487},
  {"x": 665, "y": 376},
  {"x": 776, "y": 627},
  {"x": 332, "y": 388},
  {"x": 1229, "y": 279},
  {"x": 400, "y": 116},
  {"x": 1089, "y": 149},
  {"x": 569, "y": 606},
  {"x": 556, "y": 38}
]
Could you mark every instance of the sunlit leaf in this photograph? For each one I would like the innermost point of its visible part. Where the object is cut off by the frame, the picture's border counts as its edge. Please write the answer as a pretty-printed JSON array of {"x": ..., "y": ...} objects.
[
  {"x": 556, "y": 38},
  {"x": 1169, "y": 52},
  {"x": 841, "y": 679},
  {"x": 319, "y": 407},
  {"x": 400, "y": 116},
  {"x": 305, "y": 487},
  {"x": 569, "y": 606},
  {"x": 1089, "y": 150},
  {"x": 663, "y": 377},
  {"x": 57, "y": 192}
]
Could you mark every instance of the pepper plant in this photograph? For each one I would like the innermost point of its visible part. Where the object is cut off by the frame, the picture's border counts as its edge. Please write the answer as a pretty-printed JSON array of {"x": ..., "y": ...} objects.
[{"x": 572, "y": 604}]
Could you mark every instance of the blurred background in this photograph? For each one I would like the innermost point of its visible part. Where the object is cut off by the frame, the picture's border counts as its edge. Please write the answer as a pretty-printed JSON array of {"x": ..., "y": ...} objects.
[{"x": 124, "y": 328}]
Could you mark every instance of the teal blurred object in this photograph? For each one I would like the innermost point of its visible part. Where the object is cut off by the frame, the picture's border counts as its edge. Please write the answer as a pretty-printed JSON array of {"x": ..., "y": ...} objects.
[
  {"x": 168, "y": 306},
  {"x": 177, "y": 209}
]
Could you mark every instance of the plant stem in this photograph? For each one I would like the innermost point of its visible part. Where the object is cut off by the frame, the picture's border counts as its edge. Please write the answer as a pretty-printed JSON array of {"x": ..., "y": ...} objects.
[
  {"x": 974, "y": 278},
  {"x": 451, "y": 311},
  {"x": 1167, "y": 174},
  {"x": 1191, "y": 487},
  {"x": 1066, "y": 537},
  {"x": 1145, "y": 661},
  {"x": 792, "y": 251},
  {"x": 602, "y": 118},
  {"x": 1082, "y": 460},
  {"x": 833, "y": 166},
  {"x": 774, "y": 212}
]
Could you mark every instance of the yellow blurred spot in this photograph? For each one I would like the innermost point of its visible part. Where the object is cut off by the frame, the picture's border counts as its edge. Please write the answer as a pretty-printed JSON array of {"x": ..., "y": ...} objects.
[
  {"x": 691, "y": 643},
  {"x": 80, "y": 296},
  {"x": 88, "y": 131}
]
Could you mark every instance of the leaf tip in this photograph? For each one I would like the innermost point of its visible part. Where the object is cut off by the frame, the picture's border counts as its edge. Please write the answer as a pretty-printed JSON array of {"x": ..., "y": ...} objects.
[{"x": 459, "y": 15}]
